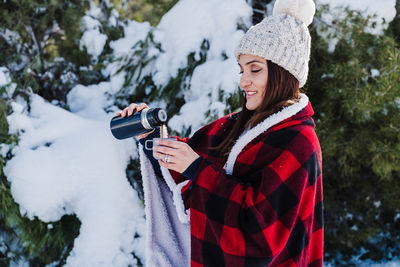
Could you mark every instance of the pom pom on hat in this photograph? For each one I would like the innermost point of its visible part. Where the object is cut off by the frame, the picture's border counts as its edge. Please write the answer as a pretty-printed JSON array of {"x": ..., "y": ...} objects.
[
  {"x": 283, "y": 38},
  {"x": 303, "y": 10}
]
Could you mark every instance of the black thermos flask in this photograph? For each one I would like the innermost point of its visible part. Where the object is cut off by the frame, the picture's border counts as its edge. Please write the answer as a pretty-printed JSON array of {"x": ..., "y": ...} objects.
[{"x": 138, "y": 123}]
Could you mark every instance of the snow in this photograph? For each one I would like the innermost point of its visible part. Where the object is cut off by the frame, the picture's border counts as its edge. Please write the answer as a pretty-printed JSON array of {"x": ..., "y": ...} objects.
[
  {"x": 5, "y": 81},
  {"x": 183, "y": 29},
  {"x": 375, "y": 73},
  {"x": 181, "y": 32},
  {"x": 394, "y": 263},
  {"x": 94, "y": 48},
  {"x": 133, "y": 32},
  {"x": 354, "y": 228},
  {"x": 207, "y": 80},
  {"x": 377, "y": 204},
  {"x": 384, "y": 10},
  {"x": 90, "y": 22},
  {"x": 387, "y": 264},
  {"x": 3, "y": 150},
  {"x": 92, "y": 38},
  {"x": 10, "y": 36},
  {"x": 72, "y": 165},
  {"x": 113, "y": 20},
  {"x": 4, "y": 76},
  {"x": 89, "y": 101},
  {"x": 67, "y": 162}
]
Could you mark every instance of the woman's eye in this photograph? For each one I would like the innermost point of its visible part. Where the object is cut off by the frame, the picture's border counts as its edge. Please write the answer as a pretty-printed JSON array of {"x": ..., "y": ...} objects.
[{"x": 254, "y": 71}]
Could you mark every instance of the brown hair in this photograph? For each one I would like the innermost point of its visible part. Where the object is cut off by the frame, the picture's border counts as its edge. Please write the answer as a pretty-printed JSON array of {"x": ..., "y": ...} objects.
[{"x": 282, "y": 91}]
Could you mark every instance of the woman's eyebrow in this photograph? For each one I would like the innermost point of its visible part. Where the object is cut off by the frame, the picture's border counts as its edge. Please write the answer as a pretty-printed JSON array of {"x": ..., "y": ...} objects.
[{"x": 253, "y": 61}]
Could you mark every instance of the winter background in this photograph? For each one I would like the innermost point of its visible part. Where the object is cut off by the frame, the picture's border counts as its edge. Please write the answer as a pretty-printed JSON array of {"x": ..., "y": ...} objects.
[{"x": 66, "y": 161}]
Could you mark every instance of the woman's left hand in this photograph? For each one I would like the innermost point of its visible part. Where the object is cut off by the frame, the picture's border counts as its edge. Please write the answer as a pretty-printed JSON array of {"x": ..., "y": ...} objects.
[{"x": 174, "y": 155}]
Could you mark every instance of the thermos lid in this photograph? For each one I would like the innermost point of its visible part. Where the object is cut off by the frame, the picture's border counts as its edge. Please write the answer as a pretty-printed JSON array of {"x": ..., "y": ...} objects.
[{"x": 162, "y": 115}]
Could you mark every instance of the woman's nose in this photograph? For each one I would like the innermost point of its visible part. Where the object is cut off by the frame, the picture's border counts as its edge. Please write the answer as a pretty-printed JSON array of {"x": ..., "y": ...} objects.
[{"x": 244, "y": 81}]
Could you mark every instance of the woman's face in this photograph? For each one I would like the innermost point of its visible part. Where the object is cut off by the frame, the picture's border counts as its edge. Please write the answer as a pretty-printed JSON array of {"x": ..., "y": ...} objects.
[{"x": 254, "y": 71}]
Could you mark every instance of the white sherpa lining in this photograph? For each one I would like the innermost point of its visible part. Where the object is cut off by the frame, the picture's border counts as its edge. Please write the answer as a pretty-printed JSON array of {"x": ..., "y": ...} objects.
[
  {"x": 167, "y": 238},
  {"x": 183, "y": 215},
  {"x": 260, "y": 128}
]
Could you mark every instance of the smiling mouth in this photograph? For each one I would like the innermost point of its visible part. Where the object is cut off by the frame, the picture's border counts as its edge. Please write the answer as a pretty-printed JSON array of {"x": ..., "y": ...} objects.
[{"x": 250, "y": 93}]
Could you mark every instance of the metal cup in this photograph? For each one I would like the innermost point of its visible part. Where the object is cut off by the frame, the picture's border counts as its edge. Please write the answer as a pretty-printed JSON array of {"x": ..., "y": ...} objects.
[{"x": 154, "y": 141}]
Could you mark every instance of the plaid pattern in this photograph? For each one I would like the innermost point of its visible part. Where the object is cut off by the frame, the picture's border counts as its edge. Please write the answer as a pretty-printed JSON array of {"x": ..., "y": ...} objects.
[{"x": 269, "y": 211}]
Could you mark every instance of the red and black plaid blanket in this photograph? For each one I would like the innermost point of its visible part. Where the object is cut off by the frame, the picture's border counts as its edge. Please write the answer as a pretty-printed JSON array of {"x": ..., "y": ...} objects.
[{"x": 266, "y": 208}]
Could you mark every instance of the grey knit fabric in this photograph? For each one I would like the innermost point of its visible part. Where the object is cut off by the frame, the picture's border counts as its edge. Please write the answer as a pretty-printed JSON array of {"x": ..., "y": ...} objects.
[{"x": 283, "y": 39}]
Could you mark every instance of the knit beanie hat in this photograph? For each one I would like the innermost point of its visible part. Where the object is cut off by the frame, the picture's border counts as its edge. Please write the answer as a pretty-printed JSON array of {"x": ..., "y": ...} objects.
[{"x": 283, "y": 37}]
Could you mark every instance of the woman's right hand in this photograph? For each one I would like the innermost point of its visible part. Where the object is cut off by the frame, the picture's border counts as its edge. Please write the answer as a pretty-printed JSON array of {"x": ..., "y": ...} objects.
[{"x": 130, "y": 110}]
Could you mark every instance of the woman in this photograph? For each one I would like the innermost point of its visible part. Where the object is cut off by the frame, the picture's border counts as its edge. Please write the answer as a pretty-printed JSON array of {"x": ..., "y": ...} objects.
[{"x": 251, "y": 180}]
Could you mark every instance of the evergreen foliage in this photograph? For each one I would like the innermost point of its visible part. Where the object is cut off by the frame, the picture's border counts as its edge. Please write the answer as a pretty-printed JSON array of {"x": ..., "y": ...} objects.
[
  {"x": 22, "y": 239},
  {"x": 355, "y": 91},
  {"x": 39, "y": 43},
  {"x": 143, "y": 10},
  {"x": 140, "y": 87},
  {"x": 36, "y": 36}
]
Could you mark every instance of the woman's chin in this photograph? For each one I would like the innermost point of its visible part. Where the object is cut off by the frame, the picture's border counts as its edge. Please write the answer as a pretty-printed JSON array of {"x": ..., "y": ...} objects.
[{"x": 250, "y": 107}]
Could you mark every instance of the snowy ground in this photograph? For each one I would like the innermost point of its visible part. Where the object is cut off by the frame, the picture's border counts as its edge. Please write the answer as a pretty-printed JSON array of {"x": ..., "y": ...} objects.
[{"x": 67, "y": 162}]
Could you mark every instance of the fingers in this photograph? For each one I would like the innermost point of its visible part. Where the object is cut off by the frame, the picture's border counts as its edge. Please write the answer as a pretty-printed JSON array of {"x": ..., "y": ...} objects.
[
  {"x": 162, "y": 150},
  {"x": 139, "y": 107},
  {"x": 140, "y": 136},
  {"x": 158, "y": 155},
  {"x": 177, "y": 159},
  {"x": 175, "y": 154},
  {"x": 176, "y": 150},
  {"x": 170, "y": 165},
  {"x": 131, "y": 109},
  {"x": 166, "y": 158},
  {"x": 170, "y": 143},
  {"x": 167, "y": 147}
]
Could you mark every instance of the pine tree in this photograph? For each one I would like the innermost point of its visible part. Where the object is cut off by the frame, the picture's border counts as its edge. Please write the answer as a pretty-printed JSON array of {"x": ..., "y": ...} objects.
[
  {"x": 143, "y": 10},
  {"x": 38, "y": 43},
  {"x": 355, "y": 92},
  {"x": 45, "y": 30},
  {"x": 43, "y": 56}
]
